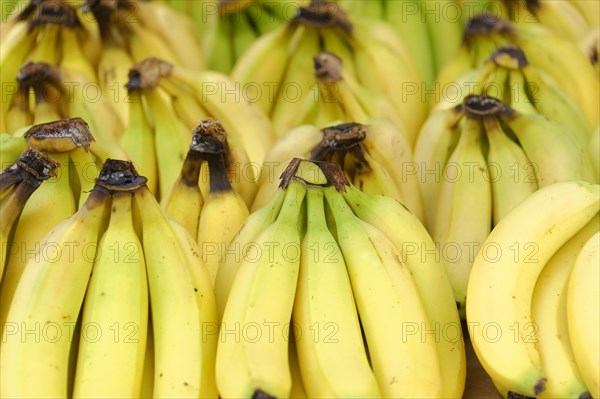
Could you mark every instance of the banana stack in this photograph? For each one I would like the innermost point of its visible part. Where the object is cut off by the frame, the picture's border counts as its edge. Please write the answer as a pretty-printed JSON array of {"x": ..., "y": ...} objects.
[
  {"x": 276, "y": 72},
  {"x": 317, "y": 262},
  {"x": 205, "y": 198},
  {"x": 17, "y": 183},
  {"x": 554, "y": 55},
  {"x": 479, "y": 160},
  {"x": 533, "y": 296},
  {"x": 167, "y": 102},
  {"x": 132, "y": 273}
]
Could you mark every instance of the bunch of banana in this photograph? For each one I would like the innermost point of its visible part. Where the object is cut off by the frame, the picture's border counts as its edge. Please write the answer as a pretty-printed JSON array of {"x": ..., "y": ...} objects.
[
  {"x": 508, "y": 76},
  {"x": 68, "y": 143},
  {"x": 374, "y": 155},
  {"x": 228, "y": 27},
  {"x": 277, "y": 70},
  {"x": 338, "y": 96},
  {"x": 46, "y": 93},
  {"x": 204, "y": 198},
  {"x": 533, "y": 302},
  {"x": 408, "y": 19},
  {"x": 127, "y": 265},
  {"x": 545, "y": 50},
  {"x": 300, "y": 275},
  {"x": 476, "y": 162},
  {"x": 17, "y": 183},
  {"x": 166, "y": 102},
  {"x": 50, "y": 32}
]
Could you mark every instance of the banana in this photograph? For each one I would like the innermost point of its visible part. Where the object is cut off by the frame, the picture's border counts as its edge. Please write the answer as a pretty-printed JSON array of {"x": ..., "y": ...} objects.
[
  {"x": 428, "y": 269},
  {"x": 45, "y": 50},
  {"x": 262, "y": 295},
  {"x": 463, "y": 215},
  {"x": 17, "y": 183},
  {"x": 73, "y": 56},
  {"x": 148, "y": 373},
  {"x": 223, "y": 213},
  {"x": 113, "y": 67},
  {"x": 184, "y": 201},
  {"x": 549, "y": 313},
  {"x": 241, "y": 246},
  {"x": 445, "y": 35},
  {"x": 260, "y": 79},
  {"x": 218, "y": 42},
  {"x": 45, "y": 304},
  {"x": 378, "y": 52},
  {"x": 406, "y": 17},
  {"x": 244, "y": 34},
  {"x": 116, "y": 302},
  {"x": 297, "y": 391},
  {"x": 16, "y": 44},
  {"x": 435, "y": 143},
  {"x": 562, "y": 17},
  {"x": 175, "y": 30},
  {"x": 177, "y": 285},
  {"x": 582, "y": 313},
  {"x": 296, "y": 101},
  {"x": 331, "y": 365},
  {"x": 171, "y": 138},
  {"x": 19, "y": 113},
  {"x": 145, "y": 43},
  {"x": 393, "y": 359},
  {"x": 503, "y": 278},
  {"x": 34, "y": 224},
  {"x": 138, "y": 140},
  {"x": 561, "y": 59},
  {"x": 505, "y": 163}
]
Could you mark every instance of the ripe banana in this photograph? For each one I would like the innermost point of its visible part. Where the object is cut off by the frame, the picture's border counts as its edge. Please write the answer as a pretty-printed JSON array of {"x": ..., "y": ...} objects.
[
  {"x": 392, "y": 350},
  {"x": 582, "y": 313},
  {"x": 261, "y": 297},
  {"x": 111, "y": 364},
  {"x": 43, "y": 312},
  {"x": 503, "y": 279},
  {"x": 332, "y": 358}
]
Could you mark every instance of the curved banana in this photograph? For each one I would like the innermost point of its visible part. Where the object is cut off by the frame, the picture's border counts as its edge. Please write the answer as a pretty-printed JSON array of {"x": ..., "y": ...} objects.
[
  {"x": 504, "y": 274},
  {"x": 549, "y": 314},
  {"x": 116, "y": 302},
  {"x": 138, "y": 141},
  {"x": 241, "y": 246},
  {"x": 223, "y": 213},
  {"x": 260, "y": 79},
  {"x": 182, "y": 353},
  {"x": 44, "y": 303},
  {"x": 331, "y": 365},
  {"x": 583, "y": 313},
  {"x": 262, "y": 297},
  {"x": 420, "y": 254},
  {"x": 463, "y": 217},
  {"x": 384, "y": 316}
]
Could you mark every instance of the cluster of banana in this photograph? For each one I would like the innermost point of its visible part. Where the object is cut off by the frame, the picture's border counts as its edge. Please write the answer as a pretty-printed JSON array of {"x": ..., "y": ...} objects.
[
  {"x": 93, "y": 44},
  {"x": 533, "y": 302},
  {"x": 79, "y": 321},
  {"x": 344, "y": 276},
  {"x": 167, "y": 102},
  {"x": 312, "y": 215},
  {"x": 486, "y": 158}
]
